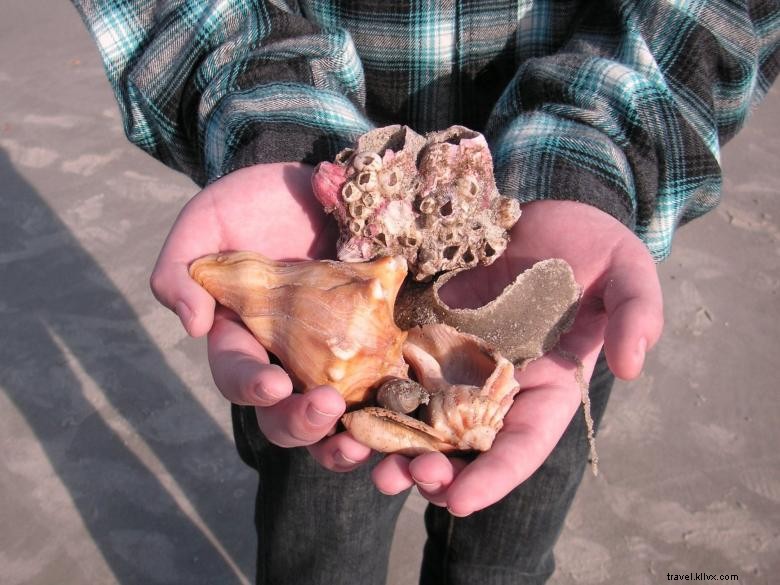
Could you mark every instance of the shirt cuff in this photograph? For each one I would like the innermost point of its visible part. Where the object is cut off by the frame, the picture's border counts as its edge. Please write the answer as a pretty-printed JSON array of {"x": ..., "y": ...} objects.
[
  {"x": 279, "y": 122},
  {"x": 543, "y": 156}
]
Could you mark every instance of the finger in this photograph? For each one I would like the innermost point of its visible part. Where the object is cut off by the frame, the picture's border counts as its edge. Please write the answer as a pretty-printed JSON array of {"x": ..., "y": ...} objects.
[
  {"x": 194, "y": 234},
  {"x": 391, "y": 475},
  {"x": 433, "y": 474},
  {"x": 301, "y": 419},
  {"x": 634, "y": 306},
  {"x": 531, "y": 430},
  {"x": 340, "y": 452},
  {"x": 239, "y": 365}
]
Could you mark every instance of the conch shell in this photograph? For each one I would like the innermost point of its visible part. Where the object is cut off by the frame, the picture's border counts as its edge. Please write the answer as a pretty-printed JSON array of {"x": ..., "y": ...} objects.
[
  {"x": 471, "y": 389},
  {"x": 327, "y": 322}
]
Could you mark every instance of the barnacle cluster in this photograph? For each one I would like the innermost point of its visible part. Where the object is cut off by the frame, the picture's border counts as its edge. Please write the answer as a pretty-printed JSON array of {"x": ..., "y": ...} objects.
[{"x": 432, "y": 200}]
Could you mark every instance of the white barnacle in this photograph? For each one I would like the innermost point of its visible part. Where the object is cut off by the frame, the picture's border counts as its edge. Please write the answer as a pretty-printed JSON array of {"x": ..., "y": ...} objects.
[
  {"x": 448, "y": 235},
  {"x": 468, "y": 187},
  {"x": 358, "y": 210},
  {"x": 350, "y": 192},
  {"x": 447, "y": 213},
  {"x": 344, "y": 156},
  {"x": 390, "y": 180},
  {"x": 492, "y": 248},
  {"x": 411, "y": 237},
  {"x": 366, "y": 181},
  {"x": 367, "y": 161},
  {"x": 427, "y": 205},
  {"x": 356, "y": 226},
  {"x": 371, "y": 200},
  {"x": 508, "y": 212}
]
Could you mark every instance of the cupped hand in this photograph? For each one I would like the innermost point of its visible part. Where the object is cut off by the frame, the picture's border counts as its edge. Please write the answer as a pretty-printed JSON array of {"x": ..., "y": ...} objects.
[
  {"x": 268, "y": 209},
  {"x": 621, "y": 310}
]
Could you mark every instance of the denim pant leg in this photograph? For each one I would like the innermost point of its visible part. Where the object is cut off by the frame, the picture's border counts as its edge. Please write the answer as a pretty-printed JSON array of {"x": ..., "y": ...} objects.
[
  {"x": 512, "y": 541},
  {"x": 314, "y": 526}
]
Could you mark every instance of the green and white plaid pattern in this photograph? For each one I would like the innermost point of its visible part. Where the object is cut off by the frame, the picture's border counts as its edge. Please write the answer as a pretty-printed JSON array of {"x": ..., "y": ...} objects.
[{"x": 623, "y": 105}]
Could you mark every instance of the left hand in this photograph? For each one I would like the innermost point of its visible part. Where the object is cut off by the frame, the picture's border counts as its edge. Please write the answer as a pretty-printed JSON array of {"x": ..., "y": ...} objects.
[{"x": 621, "y": 310}]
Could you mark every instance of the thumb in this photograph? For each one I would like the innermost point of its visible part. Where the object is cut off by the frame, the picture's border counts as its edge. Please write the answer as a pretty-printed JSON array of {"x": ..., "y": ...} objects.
[
  {"x": 194, "y": 234},
  {"x": 634, "y": 306},
  {"x": 172, "y": 285}
]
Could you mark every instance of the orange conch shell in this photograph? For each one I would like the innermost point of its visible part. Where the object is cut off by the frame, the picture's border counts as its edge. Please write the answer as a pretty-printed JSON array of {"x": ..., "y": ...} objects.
[
  {"x": 471, "y": 389},
  {"x": 327, "y": 322}
]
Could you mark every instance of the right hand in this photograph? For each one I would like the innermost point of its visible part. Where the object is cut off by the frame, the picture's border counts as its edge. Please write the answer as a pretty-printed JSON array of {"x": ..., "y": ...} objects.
[{"x": 268, "y": 209}]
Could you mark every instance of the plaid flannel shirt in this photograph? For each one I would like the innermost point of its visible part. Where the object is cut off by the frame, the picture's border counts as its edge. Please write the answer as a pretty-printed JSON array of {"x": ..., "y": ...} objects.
[{"x": 620, "y": 104}]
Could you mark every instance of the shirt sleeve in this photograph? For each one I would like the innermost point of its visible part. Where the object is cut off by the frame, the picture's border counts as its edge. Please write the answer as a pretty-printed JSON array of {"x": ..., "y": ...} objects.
[
  {"x": 629, "y": 114},
  {"x": 210, "y": 87}
]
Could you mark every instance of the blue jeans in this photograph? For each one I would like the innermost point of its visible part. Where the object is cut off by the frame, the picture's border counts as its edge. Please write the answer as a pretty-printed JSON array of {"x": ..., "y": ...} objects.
[{"x": 317, "y": 527}]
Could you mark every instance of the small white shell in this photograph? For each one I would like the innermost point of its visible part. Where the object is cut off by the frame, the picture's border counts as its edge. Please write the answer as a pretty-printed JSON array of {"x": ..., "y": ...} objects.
[
  {"x": 367, "y": 161},
  {"x": 366, "y": 181},
  {"x": 371, "y": 200},
  {"x": 358, "y": 210},
  {"x": 390, "y": 180},
  {"x": 350, "y": 192},
  {"x": 428, "y": 205},
  {"x": 468, "y": 187},
  {"x": 356, "y": 226}
]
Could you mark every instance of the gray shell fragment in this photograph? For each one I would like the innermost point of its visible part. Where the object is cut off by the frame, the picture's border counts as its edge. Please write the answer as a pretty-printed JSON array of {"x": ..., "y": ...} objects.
[{"x": 523, "y": 322}]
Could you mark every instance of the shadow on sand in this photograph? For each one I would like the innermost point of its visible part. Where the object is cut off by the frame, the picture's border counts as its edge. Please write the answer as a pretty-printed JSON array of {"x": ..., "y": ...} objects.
[{"x": 57, "y": 306}]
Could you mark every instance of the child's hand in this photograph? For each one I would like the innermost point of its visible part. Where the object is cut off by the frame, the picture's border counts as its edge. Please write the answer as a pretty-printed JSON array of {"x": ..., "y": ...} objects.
[
  {"x": 621, "y": 310},
  {"x": 269, "y": 209}
]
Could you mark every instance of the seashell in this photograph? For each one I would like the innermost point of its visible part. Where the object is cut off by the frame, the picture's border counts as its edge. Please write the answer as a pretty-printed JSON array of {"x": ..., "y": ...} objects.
[
  {"x": 356, "y": 226},
  {"x": 327, "y": 322},
  {"x": 366, "y": 181},
  {"x": 507, "y": 212},
  {"x": 441, "y": 180},
  {"x": 371, "y": 200},
  {"x": 471, "y": 389},
  {"x": 428, "y": 205},
  {"x": 472, "y": 386},
  {"x": 388, "y": 431},
  {"x": 366, "y": 161},
  {"x": 468, "y": 187},
  {"x": 390, "y": 181},
  {"x": 524, "y": 322},
  {"x": 351, "y": 193},
  {"x": 401, "y": 395},
  {"x": 358, "y": 210}
]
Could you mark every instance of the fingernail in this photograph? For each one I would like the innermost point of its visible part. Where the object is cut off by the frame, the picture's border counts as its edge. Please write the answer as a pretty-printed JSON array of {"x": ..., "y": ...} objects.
[
  {"x": 184, "y": 313},
  {"x": 429, "y": 487},
  {"x": 642, "y": 347},
  {"x": 456, "y": 514},
  {"x": 318, "y": 418},
  {"x": 342, "y": 459},
  {"x": 265, "y": 393}
]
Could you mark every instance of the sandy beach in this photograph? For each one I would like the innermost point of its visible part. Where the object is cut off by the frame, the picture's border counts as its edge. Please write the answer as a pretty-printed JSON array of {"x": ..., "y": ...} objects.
[{"x": 118, "y": 466}]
